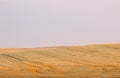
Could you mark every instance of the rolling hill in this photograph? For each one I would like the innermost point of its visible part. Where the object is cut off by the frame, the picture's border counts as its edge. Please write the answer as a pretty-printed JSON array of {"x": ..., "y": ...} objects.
[{"x": 90, "y": 61}]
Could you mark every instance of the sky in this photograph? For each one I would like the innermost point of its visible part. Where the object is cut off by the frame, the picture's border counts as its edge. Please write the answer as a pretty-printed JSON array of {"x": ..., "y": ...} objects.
[{"x": 43, "y": 23}]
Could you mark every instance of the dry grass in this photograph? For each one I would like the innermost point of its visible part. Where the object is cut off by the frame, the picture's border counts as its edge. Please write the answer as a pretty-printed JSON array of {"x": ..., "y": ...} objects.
[{"x": 92, "y": 61}]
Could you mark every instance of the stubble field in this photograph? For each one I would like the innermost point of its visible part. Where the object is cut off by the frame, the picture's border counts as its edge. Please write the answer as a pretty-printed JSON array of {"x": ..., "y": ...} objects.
[{"x": 91, "y": 61}]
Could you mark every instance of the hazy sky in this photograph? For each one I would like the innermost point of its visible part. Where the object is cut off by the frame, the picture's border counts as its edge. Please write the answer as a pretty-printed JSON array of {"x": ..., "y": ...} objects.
[{"x": 40, "y": 23}]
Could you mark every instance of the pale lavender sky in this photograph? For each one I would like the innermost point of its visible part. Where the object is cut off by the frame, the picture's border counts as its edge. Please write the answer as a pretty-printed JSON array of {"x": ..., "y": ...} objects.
[{"x": 43, "y": 23}]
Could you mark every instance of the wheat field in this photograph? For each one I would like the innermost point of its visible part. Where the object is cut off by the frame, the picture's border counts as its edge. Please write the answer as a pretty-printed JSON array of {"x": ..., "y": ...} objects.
[{"x": 90, "y": 61}]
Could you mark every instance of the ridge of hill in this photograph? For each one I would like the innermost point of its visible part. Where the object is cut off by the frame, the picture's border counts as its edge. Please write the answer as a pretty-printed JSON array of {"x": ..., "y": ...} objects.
[{"x": 91, "y": 61}]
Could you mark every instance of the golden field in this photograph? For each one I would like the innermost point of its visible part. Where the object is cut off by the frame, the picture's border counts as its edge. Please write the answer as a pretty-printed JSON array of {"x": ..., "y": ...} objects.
[{"x": 90, "y": 61}]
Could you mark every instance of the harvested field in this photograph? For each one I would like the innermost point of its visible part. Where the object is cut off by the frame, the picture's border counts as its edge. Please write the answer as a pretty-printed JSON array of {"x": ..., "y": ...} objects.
[{"x": 91, "y": 61}]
